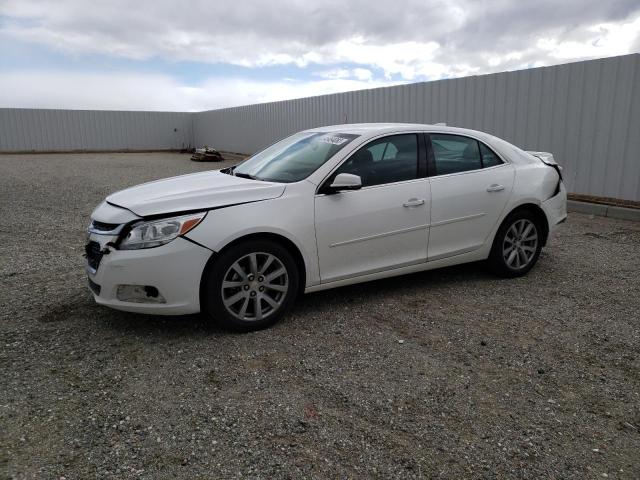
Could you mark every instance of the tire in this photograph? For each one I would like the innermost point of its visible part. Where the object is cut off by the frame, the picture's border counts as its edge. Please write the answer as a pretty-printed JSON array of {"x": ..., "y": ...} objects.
[
  {"x": 515, "y": 251},
  {"x": 251, "y": 286}
]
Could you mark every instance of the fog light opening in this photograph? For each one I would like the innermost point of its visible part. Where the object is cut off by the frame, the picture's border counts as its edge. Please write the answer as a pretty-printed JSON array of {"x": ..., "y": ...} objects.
[
  {"x": 151, "y": 291},
  {"x": 139, "y": 294}
]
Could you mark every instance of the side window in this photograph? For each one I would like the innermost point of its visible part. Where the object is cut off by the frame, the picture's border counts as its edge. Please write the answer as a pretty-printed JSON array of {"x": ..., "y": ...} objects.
[
  {"x": 385, "y": 160},
  {"x": 489, "y": 158},
  {"x": 377, "y": 151},
  {"x": 455, "y": 153}
]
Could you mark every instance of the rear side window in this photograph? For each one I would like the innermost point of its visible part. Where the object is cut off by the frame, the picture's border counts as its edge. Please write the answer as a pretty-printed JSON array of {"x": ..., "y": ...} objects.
[
  {"x": 456, "y": 153},
  {"x": 489, "y": 158},
  {"x": 385, "y": 160}
]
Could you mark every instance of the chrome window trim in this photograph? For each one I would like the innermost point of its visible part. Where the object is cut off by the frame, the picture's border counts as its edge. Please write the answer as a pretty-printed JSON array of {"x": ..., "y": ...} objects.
[
  {"x": 445, "y": 175},
  {"x": 370, "y": 187}
]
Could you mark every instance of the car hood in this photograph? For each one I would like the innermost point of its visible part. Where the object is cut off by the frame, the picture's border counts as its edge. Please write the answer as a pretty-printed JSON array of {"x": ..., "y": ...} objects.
[{"x": 196, "y": 191}]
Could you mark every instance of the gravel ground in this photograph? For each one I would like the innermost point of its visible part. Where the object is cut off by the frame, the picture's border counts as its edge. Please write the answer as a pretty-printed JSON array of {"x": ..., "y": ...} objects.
[{"x": 444, "y": 374}]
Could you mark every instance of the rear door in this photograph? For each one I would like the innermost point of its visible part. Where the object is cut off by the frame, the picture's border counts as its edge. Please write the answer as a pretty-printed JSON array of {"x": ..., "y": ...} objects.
[{"x": 470, "y": 186}]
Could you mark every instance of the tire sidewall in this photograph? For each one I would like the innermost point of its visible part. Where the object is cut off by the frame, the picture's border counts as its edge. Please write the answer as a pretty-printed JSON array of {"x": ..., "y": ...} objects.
[{"x": 212, "y": 295}]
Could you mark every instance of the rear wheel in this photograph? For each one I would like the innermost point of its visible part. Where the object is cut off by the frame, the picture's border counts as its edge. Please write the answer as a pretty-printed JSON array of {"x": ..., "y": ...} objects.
[
  {"x": 517, "y": 245},
  {"x": 251, "y": 285}
]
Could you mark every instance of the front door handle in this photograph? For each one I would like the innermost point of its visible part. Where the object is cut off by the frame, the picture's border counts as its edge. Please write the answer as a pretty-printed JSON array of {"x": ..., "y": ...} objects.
[
  {"x": 495, "y": 188},
  {"x": 413, "y": 202}
]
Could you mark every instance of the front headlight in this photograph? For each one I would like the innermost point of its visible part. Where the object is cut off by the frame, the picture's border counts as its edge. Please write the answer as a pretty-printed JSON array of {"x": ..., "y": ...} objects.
[{"x": 159, "y": 232}]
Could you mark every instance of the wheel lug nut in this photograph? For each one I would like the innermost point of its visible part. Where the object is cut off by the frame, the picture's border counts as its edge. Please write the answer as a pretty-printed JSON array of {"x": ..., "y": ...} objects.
[
  {"x": 253, "y": 294},
  {"x": 251, "y": 278},
  {"x": 246, "y": 287},
  {"x": 261, "y": 289},
  {"x": 261, "y": 279}
]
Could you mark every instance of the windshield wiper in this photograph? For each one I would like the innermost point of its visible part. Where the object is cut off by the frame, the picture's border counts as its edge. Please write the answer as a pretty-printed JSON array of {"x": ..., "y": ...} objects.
[{"x": 245, "y": 175}]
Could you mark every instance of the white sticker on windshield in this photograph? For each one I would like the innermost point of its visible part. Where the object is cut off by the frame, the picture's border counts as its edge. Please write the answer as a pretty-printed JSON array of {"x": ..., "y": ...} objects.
[{"x": 333, "y": 139}]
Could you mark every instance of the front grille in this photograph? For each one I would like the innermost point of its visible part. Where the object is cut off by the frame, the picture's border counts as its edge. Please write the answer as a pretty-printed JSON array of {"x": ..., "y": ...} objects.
[
  {"x": 103, "y": 227},
  {"x": 94, "y": 254}
]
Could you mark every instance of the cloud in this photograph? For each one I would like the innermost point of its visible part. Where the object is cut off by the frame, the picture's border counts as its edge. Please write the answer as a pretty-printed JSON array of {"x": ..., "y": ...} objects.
[
  {"x": 156, "y": 92},
  {"x": 603, "y": 39},
  {"x": 335, "y": 45},
  {"x": 335, "y": 73},
  {"x": 409, "y": 38},
  {"x": 361, "y": 74}
]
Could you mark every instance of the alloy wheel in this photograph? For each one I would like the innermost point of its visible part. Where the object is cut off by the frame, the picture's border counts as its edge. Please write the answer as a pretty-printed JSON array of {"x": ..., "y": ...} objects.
[
  {"x": 255, "y": 286},
  {"x": 520, "y": 244}
]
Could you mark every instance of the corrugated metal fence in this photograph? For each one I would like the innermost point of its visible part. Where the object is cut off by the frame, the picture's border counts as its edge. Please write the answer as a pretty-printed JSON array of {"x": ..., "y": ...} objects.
[
  {"x": 586, "y": 113},
  {"x": 24, "y": 130}
]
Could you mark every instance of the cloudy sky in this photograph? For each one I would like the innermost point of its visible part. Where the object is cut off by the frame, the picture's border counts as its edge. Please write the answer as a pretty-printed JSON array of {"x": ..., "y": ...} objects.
[{"x": 198, "y": 55}]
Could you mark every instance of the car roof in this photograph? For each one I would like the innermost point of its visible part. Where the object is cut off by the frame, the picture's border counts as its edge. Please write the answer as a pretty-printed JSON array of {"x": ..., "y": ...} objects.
[
  {"x": 367, "y": 130},
  {"x": 379, "y": 128}
]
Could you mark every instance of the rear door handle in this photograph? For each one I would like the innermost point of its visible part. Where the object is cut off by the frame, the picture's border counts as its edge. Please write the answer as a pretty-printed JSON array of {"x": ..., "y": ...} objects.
[
  {"x": 495, "y": 188},
  {"x": 413, "y": 202}
]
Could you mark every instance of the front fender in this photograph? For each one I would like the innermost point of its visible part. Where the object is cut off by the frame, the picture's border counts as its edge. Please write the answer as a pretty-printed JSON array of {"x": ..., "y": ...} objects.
[{"x": 290, "y": 217}]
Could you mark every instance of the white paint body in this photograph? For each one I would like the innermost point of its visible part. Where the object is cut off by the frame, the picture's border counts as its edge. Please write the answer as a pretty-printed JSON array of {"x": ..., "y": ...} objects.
[{"x": 343, "y": 238}]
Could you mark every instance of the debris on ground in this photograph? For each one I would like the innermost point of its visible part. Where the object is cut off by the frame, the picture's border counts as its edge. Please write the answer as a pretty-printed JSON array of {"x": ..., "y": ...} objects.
[{"x": 207, "y": 154}]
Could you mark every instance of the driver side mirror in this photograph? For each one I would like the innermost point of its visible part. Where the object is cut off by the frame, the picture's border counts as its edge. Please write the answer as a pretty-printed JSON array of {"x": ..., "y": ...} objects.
[{"x": 344, "y": 181}]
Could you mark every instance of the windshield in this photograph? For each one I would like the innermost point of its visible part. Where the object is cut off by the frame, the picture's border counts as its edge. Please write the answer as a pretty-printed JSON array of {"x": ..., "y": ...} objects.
[{"x": 294, "y": 158}]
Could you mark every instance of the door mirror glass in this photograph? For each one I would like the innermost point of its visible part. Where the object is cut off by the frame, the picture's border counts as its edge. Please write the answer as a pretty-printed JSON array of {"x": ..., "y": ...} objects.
[{"x": 345, "y": 181}]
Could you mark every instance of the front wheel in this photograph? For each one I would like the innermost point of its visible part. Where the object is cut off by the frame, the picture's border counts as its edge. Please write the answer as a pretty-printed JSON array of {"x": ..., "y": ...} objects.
[
  {"x": 251, "y": 285},
  {"x": 517, "y": 245}
]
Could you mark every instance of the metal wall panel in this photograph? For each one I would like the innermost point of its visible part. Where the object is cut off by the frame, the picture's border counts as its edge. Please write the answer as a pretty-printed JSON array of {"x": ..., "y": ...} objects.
[
  {"x": 586, "y": 113},
  {"x": 26, "y": 130}
]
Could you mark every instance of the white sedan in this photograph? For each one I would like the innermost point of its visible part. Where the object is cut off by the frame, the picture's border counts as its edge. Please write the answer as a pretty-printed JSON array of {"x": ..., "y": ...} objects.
[{"x": 323, "y": 208}]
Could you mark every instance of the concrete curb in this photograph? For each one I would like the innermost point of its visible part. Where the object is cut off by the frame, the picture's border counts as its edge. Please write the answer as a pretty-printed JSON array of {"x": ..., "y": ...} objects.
[{"x": 604, "y": 210}]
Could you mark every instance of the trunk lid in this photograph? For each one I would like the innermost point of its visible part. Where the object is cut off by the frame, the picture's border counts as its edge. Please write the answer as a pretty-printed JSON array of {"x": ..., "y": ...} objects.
[{"x": 547, "y": 159}]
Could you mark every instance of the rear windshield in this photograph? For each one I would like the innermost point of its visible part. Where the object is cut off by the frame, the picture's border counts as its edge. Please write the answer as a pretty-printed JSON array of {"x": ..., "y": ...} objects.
[{"x": 294, "y": 158}]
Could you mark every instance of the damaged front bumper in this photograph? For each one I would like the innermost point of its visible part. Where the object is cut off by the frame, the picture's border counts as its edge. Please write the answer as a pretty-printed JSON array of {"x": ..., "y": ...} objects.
[{"x": 164, "y": 280}]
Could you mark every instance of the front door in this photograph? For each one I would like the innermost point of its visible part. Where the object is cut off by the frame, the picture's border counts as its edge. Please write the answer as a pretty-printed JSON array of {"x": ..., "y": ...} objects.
[{"x": 382, "y": 226}]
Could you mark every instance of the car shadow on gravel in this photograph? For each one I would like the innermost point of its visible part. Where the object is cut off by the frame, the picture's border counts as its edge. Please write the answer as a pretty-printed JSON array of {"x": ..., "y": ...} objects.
[
  {"x": 81, "y": 312},
  {"x": 354, "y": 296},
  {"x": 169, "y": 325},
  {"x": 364, "y": 293},
  {"x": 406, "y": 291}
]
